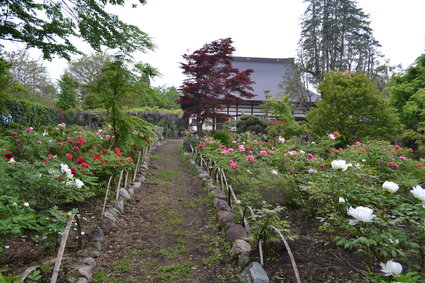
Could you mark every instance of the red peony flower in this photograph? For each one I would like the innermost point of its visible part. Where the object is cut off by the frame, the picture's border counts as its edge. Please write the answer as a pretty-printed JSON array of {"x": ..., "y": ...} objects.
[
  {"x": 420, "y": 165},
  {"x": 80, "y": 160},
  {"x": 69, "y": 156},
  {"x": 50, "y": 156},
  {"x": 104, "y": 150},
  {"x": 14, "y": 134},
  {"x": 59, "y": 144},
  {"x": 118, "y": 152},
  {"x": 130, "y": 159},
  {"x": 44, "y": 160},
  {"x": 73, "y": 171},
  {"x": 96, "y": 156},
  {"x": 84, "y": 164},
  {"x": 8, "y": 156}
]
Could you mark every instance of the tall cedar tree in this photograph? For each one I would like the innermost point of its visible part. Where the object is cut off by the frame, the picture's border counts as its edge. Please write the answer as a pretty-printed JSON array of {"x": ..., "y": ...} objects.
[
  {"x": 336, "y": 36},
  {"x": 213, "y": 83}
]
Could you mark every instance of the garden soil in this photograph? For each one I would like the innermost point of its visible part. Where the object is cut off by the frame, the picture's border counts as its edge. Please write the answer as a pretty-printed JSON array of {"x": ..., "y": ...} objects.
[{"x": 168, "y": 233}]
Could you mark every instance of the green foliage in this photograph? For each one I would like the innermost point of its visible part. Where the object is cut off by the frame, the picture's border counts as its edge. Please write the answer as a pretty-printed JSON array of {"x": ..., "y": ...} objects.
[
  {"x": 285, "y": 124},
  {"x": 48, "y": 26},
  {"x": 250, "y": 123},
  {"x": 28, "y": 114},
  {"x": 223, "y": 136},
  {"x": 67, "y": 97},
  {"x": 408, "y": 95},
  {"x": 5, "y": 80},
  {"x": 352, "y": 105}
]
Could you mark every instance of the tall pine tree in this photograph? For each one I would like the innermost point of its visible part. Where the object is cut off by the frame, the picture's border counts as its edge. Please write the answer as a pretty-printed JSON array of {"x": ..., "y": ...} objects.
[{"x": 336, "y": 36}]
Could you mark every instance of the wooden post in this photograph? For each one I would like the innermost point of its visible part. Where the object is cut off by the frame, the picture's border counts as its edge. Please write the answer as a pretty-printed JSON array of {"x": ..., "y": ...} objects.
[{"x": 61, "y": 249}]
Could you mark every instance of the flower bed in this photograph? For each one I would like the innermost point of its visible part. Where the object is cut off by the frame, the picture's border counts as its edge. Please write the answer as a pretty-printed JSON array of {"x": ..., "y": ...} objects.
[
  {"x": 367, "y": 195},
  {"x": 43, "y": 171}
]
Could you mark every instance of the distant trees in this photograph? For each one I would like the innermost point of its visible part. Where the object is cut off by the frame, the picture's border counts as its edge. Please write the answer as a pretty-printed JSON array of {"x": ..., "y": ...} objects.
[
  {"x": 336, "y": 36},
  {"x": 30, "y": 73},
  {"x": 212, "y": 82},
  {"x": 67, "y": 97},
  {"x": 352, "y": 105}
]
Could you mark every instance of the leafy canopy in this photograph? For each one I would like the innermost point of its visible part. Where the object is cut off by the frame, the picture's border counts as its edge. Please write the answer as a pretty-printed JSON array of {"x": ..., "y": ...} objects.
[
  {"x": 352, "y": 105},
  {"x": 49, "y": 26},
  {"x": 212, "y": 82},
  {"x": 408, "y": 95}
]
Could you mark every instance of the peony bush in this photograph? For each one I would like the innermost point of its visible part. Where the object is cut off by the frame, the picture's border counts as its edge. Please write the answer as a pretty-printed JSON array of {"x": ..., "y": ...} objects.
[{"x": 368, "y": 195}]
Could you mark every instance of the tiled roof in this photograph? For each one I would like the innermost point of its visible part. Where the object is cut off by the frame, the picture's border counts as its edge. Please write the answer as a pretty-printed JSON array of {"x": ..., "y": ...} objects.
[{"x": 269, "y": 74}]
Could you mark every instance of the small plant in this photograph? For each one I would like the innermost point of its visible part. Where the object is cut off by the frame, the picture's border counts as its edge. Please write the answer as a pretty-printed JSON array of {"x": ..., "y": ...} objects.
[{"x": 224, "y": 137}]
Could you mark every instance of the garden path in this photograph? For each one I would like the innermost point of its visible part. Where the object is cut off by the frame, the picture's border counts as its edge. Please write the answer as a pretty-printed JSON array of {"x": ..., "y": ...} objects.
[{"x": 168, "y": 232}]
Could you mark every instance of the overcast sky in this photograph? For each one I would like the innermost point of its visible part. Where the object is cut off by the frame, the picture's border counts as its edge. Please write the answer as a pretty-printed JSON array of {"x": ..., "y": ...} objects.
[{"x": 268, "y": 28}]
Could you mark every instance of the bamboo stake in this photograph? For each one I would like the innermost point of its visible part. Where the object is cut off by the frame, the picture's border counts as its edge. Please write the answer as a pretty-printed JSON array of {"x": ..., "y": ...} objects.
[
  {"x": 260, "y": 249},
  {"x": 126, "y": 179},
  {"x": 137, "y": 166},
  {"x": 119, "y": 184},
  {"x": 106, "y": 196},
  {"x": 291, "y": 256},
  {"x": 61, "y": 249}
]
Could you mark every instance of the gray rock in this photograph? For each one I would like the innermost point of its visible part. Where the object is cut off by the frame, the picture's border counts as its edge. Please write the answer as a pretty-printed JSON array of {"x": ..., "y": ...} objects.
[
  {"x": 97, "y": 235},
  {"x": 137, "y": 185},
  {"x": 243, "y": 260},
  {"x": 82, "y": 280},
  {"x": 111, "y": 216},
  {"x": 88, "y": 261},
  {"x": 131, "y": 191},
  {"x": 254, "y": 273},
  {"x": 219, "y": 193},
  {"x": 235, "y": 231},
  {"x": 204, "y": 176},
  {"x": 212, "y": 187},
  {"x": 225, "y": 219},
  {"x": 115, "y": 212},
  {"x": 119, "y": 205},
  {"x": 220, "y": 204},
  {"x": 142, "y": 179},
  {"x": 240, "y": 246},
  {"x": 193, "y": 163},
  {"x": 124, "y": 194}
]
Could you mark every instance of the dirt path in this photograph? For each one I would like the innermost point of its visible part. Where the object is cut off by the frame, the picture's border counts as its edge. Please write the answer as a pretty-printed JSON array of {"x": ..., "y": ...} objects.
[{"x": 168, "y": 234}]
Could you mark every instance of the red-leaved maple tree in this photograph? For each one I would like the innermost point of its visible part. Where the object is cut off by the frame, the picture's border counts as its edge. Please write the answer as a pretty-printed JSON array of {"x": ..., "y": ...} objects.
[{"x": 212, "y": 82}]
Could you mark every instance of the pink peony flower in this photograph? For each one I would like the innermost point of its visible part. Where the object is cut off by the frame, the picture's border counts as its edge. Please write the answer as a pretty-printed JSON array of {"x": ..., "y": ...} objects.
[
  {"x": 233, "y": 165},
  {"x": 14, "y": 134},
  {"x": 241, "y": 147},
  {"x": 356, "y": 142},
  {"x": 69, "y": 156},
  {"x": 250, "y": 158},
  {"x": 420, "y": 165},
  {"x": 402, "y": 158}
]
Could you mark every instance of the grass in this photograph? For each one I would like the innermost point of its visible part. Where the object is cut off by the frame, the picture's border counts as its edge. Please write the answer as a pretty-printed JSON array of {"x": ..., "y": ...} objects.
[
  {"x": 171, "y": 253},
  {"x": 174, "y": 272}
]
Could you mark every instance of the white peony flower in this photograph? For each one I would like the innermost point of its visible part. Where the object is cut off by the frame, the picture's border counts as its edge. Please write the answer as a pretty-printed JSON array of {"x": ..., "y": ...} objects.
[
  {"x": 341, "y": 200},
  {"x": 282, "y": 140},
  {"x": 419, "y": 193},
  {"x": 79, "y": 183},
  {"x": 12, "y": 160},
  {"x": 391, "y": 268},
  {"x": 360, "y": 213},
  {"x": 274, "y": 172},
  {"x": 26, "y": 204},
  {"x": 390, "y": 186},
  {"x": 340, "y": 164}
]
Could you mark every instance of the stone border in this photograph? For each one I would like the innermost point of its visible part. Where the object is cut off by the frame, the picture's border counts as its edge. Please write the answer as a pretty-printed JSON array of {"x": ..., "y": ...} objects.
[
  {"x": 251, "y": 271},
  {"x": 83, "y": 270}
]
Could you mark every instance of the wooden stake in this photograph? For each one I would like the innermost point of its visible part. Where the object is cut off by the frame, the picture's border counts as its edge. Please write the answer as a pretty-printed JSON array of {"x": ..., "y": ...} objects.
[
  {"x": 106, "y": 196},
  {"x": 61, "y": 249},
  {"x": 119, "y": 184},
  {"x": 137, "y": 166}
]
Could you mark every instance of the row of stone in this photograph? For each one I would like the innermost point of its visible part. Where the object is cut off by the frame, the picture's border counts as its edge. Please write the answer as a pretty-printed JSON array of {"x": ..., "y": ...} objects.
[
  {"x": 252, "y": 272},
  {"x": 83, "y": 270}
]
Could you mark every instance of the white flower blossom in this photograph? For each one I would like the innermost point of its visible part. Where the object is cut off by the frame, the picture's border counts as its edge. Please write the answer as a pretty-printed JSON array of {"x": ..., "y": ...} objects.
[
  {"x": 340, "y": 164},
  {"x": 341, "y": 200},
  {"x": 419, "y": 193},
  {"x": 390, "y": 186},
  {"x": 282, "y": 140},
  {"x": 360, "y": 213},
  {"x": 312, "y": 171},
  {"x": 274, "y": 172},
  {"x": 26, "y": 204},
  {"x": 12, "y": 160},
  {"x": 79, "y": 183},
  {"x": 391, "y": 268}
]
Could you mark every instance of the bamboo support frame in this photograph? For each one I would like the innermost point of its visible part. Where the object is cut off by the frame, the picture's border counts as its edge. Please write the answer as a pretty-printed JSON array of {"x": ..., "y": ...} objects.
[
  {"x": 119, "y": 184},
  {"x": 106, "y": 196}
]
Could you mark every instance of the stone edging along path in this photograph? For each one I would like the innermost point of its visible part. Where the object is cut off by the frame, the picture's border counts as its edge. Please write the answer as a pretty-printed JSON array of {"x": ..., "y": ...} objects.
[{"x": 252, "y": 271}]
